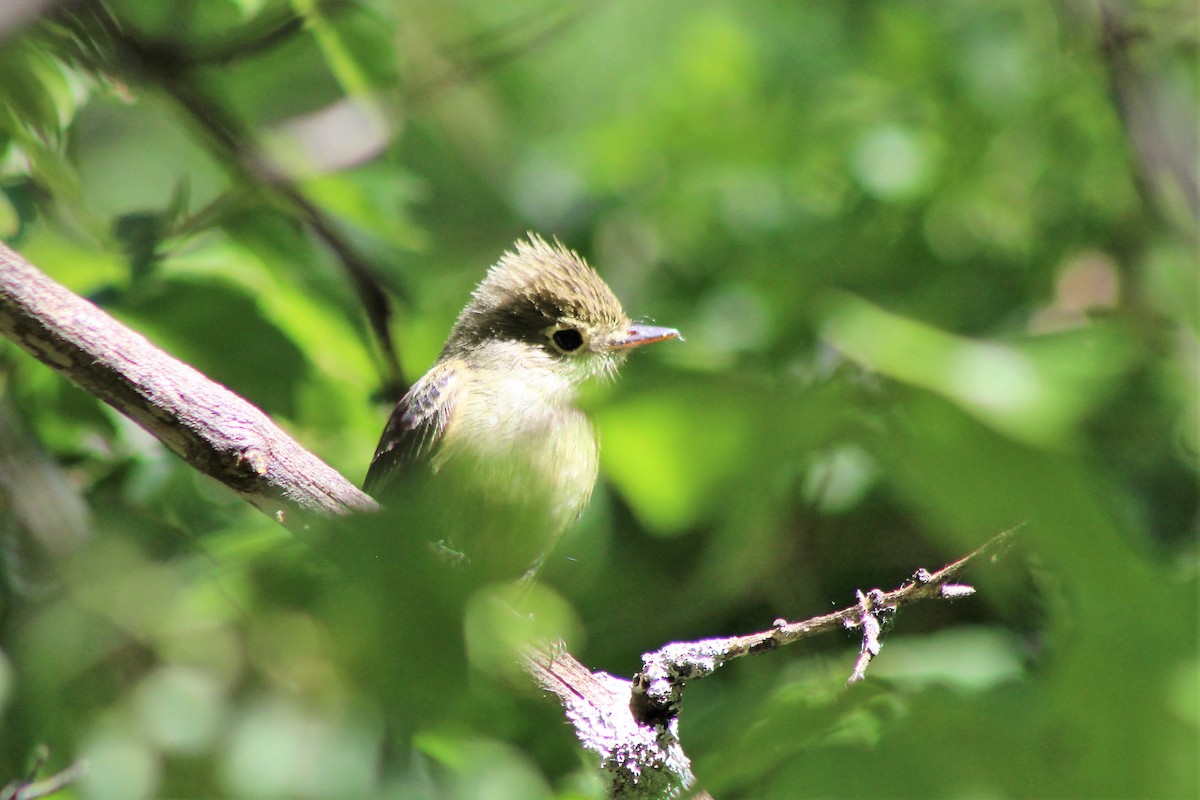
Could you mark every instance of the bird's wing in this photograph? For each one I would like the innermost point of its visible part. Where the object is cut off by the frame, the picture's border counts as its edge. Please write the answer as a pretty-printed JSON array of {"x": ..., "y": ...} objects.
[{"x": 416, "y": 426}]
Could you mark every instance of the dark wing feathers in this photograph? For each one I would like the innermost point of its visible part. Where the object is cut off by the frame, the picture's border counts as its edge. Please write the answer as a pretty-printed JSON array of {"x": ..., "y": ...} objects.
[{"x": 415, "y": 427}]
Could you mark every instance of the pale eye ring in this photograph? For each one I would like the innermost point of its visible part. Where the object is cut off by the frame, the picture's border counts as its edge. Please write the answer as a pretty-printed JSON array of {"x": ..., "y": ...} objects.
[{"x": 567, "y": 339}]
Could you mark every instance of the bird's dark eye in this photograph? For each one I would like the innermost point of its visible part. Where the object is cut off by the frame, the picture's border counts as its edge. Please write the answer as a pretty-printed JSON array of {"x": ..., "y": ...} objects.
[{"x": 568, "y": 339}]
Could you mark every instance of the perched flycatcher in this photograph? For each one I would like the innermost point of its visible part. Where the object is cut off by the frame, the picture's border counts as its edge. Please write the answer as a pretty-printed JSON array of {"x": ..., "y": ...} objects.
[{"x": 487, "y": 453}]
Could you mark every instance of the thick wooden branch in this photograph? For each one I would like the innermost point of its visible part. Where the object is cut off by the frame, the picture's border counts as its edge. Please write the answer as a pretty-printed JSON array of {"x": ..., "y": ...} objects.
[
  {"x": 636, "y": 760},
  {"x": 211, "y": 428}
]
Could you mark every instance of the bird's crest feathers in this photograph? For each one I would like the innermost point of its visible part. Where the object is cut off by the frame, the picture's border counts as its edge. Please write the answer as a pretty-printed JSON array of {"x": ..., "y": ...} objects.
[{"x": 546, "y": 280}]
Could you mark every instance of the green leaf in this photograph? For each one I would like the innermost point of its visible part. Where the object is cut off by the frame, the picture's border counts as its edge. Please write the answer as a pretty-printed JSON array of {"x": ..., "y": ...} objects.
[{"x": 1039, "y": 389}]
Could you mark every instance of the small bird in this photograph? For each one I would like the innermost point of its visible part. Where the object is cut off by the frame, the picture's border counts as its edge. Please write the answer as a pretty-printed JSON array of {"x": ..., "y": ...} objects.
[{"x": 487, "y": 454}]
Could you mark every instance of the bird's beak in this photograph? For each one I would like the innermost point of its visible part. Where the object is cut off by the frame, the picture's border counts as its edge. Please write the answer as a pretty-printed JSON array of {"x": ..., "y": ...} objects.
[{"x": 638, "y": 334}]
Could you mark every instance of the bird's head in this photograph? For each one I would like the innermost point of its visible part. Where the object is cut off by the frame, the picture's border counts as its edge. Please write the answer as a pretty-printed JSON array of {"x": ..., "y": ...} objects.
[{"x": 546, "y": 300}]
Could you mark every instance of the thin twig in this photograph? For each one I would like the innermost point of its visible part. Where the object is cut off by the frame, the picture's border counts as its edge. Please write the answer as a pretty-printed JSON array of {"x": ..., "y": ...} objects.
[
  {"x": 164, "y": 67},
  {"x": 658, "y": 686},
  {"x": 475, "y": 58},
  {"x": 634, "y": 725},
  {"x": 30, "y": 788}
]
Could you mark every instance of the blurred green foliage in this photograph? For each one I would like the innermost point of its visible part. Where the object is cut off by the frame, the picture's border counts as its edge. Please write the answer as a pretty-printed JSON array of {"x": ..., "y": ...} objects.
[{"x": 936, "y": 265}]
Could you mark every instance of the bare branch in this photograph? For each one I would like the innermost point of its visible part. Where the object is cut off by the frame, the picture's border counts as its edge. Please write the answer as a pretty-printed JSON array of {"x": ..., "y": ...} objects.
[
  {"x": 30, "y": 788},
  {"x": 634, "y": 725},
  {"x": 211, "y": 428},
  {"x": 869, "y": 605},
  {"x": 658, "y": 686},
  {"x": 637, "y": 760}
]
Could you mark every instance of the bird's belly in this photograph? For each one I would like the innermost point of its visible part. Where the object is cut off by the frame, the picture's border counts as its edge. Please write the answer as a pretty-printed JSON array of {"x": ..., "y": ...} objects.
[{"x": 514, "y": 495}]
